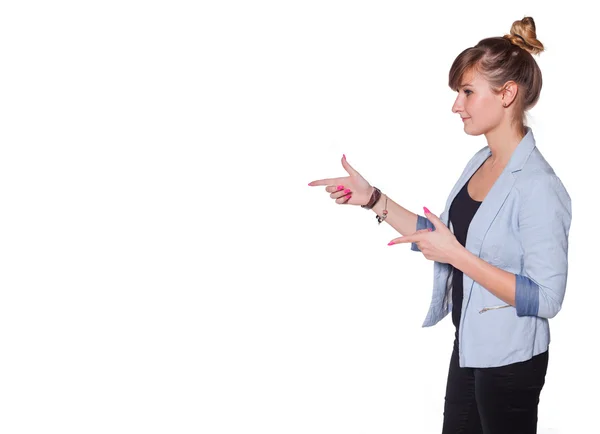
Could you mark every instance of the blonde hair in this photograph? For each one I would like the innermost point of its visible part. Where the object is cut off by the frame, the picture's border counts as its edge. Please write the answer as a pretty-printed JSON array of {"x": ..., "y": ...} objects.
[
  {"x": 522, "y": 34},
  {"x": 503, "y": 59}
]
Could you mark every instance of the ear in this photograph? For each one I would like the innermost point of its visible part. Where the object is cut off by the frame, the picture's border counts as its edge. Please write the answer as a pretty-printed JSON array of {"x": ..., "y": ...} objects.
[{"x": 509, "y": 93}]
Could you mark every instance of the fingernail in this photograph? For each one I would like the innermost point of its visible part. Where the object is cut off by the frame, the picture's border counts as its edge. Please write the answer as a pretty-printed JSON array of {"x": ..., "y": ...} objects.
[
  {"x": 340, "y": 187},
  {"x": 347, "y": 190},
  {"x": 344, "y": 155},
  {"x": 426, "y": 210},
  {"x": 390, "y": 243},
  {"x": 429, "y": 229}
]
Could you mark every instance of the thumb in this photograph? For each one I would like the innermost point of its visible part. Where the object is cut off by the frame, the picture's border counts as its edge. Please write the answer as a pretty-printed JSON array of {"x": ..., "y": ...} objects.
[
  {"x": 347, "y": 167},
  {"x": 433, "y": 218}
]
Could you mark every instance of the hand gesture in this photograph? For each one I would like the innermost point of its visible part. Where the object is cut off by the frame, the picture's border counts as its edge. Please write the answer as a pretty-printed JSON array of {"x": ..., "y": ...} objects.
[
  {"x": 352, "y": 189},
  {"x": 439, "y": 245}
]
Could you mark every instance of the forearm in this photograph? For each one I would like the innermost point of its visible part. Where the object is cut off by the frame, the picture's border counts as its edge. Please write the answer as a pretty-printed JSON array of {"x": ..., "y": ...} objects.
[
  {"x": 499, "y": 282},
  {"x": 401, "y": 219}
]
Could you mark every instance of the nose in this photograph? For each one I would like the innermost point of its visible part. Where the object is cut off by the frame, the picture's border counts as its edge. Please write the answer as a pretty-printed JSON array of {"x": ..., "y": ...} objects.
[{"x": 458, "y": 105}]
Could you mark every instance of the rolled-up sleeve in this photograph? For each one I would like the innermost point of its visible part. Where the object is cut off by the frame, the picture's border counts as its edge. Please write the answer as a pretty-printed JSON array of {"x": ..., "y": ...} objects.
[
  {"x": 544, "y": 223},
  {"x": 422, "y": 223}
]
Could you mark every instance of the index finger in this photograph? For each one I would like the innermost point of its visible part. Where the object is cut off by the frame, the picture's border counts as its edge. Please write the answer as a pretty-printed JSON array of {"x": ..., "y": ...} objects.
[
  {"x": 408, "y": 239},
  {"x": 328, "y": 181}
]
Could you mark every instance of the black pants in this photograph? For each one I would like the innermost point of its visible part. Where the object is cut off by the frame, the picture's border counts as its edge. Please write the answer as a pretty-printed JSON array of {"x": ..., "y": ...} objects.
[{"x": 502, "y": 400}]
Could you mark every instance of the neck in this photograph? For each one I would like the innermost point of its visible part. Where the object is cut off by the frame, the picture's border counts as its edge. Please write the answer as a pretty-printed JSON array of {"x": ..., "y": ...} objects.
[{"x": 502, "y": 141}]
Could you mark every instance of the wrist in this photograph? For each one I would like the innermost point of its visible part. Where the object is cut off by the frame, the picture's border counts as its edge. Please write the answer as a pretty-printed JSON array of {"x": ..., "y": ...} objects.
[
  {"x": 459, "y": 256},
  {"x": 373, "y": 198},
  {"x": 371, "y": 191}
]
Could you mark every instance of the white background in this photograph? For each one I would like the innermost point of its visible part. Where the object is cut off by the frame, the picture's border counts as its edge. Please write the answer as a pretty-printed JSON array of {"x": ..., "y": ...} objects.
[{"x": 166, "y": 269}]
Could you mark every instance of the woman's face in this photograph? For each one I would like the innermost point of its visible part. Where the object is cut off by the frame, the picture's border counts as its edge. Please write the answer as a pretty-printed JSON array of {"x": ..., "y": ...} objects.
[{"x": 479, "y": 107}]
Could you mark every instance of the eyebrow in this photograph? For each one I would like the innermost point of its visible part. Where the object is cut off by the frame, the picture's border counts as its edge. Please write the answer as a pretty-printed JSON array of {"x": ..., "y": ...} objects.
[{"x": 465, "y": 84}]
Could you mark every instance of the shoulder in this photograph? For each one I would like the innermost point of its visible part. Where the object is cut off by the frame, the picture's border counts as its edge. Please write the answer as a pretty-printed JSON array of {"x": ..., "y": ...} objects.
[
  {"x": 538, "y": 177},
  {"x": 540, "y": 188}
]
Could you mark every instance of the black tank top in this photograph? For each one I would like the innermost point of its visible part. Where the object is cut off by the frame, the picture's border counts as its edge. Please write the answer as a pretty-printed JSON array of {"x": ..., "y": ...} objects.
[{"x": 462, "y": 210}]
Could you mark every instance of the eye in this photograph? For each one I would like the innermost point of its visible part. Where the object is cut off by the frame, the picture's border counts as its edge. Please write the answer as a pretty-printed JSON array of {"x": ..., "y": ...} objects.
[{"x": 467, "y": 92}]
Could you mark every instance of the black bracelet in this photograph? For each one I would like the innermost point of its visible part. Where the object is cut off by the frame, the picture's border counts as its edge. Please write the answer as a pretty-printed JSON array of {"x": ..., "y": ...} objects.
[{"x": 374, "y": 198}]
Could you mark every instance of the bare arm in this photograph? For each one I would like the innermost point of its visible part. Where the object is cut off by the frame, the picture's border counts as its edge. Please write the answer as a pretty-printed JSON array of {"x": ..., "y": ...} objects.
[
  {"x": 398, "y": 217},
  {"x": 499, "y": 282}
]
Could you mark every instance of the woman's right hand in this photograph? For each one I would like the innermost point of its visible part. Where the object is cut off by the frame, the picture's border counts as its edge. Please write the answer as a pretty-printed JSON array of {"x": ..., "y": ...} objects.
[{"x": 352, "y": 189}]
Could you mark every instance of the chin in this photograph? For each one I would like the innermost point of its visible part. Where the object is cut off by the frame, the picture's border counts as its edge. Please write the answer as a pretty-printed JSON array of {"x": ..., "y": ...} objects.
[{"x": 473, "y": 131}]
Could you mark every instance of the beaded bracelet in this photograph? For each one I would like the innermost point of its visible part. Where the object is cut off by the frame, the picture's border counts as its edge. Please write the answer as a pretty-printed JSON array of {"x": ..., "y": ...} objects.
[
  {"x": 373, "y": 200},
  {"x": 385, "y": 213}
]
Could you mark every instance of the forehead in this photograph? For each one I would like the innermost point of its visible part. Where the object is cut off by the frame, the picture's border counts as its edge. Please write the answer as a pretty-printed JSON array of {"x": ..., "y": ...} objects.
[{"x": 473, "y": 78}]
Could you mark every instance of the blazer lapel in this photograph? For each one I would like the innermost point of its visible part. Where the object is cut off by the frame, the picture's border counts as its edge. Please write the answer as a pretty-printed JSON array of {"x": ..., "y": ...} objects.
[
  {"x": 476, "y": 162},
  {"x": 489, "y": 208}
]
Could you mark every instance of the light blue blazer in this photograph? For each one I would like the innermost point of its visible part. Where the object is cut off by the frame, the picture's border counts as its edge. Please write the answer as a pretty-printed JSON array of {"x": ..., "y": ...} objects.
[{"x": 522, "y": 227}]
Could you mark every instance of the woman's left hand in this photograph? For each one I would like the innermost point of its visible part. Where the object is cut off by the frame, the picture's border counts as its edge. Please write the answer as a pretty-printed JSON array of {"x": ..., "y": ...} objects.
[{"x": 439, "y": 245}]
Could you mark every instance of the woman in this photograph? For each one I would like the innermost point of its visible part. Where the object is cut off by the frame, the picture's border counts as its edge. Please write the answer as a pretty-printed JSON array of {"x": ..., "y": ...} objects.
[{"x": 505, "y": 279}]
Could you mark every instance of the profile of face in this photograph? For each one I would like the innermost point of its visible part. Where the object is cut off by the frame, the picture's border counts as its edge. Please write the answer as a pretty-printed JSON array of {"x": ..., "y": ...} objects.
[{"x": 479, "y": 107}]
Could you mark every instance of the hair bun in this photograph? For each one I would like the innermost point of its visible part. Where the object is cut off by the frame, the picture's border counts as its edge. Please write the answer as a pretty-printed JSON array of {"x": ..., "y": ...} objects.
[{"x": 522, "y": 34}]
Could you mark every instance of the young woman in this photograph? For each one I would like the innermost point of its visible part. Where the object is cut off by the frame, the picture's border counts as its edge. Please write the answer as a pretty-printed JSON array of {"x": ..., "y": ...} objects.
[{"x": 500, "y": 246}]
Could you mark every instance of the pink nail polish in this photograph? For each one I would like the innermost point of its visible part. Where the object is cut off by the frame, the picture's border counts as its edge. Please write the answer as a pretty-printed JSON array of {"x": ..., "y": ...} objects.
[
  {"x": 347, "y": 190},
  {"x": 426, "y": 210},
  {"x": 349, "y": 197},
  {"x": 344, "y": 155},
  {"x": 340, "y": 187},
  {"x": 390, "y": 243},
  {"x": 429, "y": 229}
]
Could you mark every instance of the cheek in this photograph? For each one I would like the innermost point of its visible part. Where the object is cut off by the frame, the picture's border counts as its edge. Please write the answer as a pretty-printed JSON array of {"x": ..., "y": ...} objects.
[
  {"x": 473, "y": 104},
  {"x": 483, "y": 108}
]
